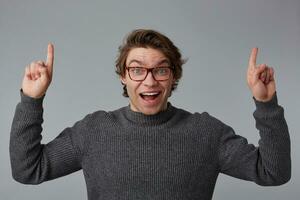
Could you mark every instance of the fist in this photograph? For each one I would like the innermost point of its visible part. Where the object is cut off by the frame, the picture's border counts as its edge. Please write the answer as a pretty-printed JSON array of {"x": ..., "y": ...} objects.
[{"x": 38, "y": 75}]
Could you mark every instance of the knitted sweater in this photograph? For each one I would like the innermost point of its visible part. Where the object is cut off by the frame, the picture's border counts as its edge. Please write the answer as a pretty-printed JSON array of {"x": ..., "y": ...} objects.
[{"x": 171, "y": 155}]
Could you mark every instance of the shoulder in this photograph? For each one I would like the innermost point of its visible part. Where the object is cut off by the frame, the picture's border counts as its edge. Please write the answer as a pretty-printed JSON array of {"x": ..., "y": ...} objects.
[
  {"x": 198, "y": 116},
  {"x": 99, "y": 118},
  {"x": 198, "y": 120}
]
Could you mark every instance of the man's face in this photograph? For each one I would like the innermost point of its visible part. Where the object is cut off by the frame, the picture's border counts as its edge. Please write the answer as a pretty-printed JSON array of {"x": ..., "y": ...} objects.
[{"x": 148, "y": 96}]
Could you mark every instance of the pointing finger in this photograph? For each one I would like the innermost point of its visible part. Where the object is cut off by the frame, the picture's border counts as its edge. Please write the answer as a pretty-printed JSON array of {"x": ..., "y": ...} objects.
[
  {"x": 50, "y": 58},
  {"x": 252, "y": 59}
]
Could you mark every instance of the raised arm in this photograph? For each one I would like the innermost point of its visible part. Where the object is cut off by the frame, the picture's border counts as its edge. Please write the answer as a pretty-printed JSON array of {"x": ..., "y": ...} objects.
[
  {"x": 270, "y": 162},
  {"x": 31, "y": 161}
]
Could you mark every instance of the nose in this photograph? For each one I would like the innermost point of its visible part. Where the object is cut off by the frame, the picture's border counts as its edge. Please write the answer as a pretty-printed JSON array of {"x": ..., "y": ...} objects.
[{"x": 149, "y": 80}]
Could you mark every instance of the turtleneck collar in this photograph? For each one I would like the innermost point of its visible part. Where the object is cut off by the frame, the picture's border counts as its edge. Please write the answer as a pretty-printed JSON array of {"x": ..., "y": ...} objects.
[{"x": 142, "y": 119}]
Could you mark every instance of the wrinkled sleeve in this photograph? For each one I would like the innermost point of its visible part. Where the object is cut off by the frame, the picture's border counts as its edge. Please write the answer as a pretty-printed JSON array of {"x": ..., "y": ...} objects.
[{"x": 267, "y": 164}]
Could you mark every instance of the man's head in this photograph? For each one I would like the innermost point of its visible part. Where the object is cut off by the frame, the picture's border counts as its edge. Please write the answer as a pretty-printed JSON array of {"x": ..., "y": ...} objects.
[{"x": 148, "y": 49}]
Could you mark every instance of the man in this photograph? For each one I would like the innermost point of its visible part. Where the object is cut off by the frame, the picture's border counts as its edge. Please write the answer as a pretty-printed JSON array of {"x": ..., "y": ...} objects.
[{"x": 149, "y": 149}]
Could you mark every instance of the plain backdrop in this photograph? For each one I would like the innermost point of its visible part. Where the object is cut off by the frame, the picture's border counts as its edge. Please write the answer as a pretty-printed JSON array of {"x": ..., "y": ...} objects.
[{"x": 216, "y": 37}]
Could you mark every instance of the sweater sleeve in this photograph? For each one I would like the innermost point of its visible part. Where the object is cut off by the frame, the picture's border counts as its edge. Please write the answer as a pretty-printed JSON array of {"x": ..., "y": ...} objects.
[
  {"x": 31, "y": 161},
  {"x": 268, "y": 164}
]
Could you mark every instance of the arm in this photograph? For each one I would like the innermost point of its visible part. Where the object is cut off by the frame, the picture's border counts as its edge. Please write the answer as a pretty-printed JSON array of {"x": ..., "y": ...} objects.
[
  {"x": 270, "y": 163},
  {"x": 31, "y": 161}
]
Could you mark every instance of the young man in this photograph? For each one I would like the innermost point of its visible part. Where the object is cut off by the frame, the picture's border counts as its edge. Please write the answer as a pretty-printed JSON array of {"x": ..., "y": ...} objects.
[{"x": 149, "y": 149}]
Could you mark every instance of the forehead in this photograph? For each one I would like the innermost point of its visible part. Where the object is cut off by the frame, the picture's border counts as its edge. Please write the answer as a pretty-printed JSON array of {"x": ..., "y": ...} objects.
[{"x": 145, "y": 56}]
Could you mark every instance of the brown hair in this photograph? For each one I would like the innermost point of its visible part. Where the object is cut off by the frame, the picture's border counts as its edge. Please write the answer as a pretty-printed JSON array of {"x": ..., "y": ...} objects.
[{"x": 153, "y": 39}]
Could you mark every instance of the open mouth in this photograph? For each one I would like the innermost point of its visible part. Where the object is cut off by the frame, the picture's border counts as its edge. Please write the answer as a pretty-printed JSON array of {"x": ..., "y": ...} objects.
[{"x": 149, "y": 96}]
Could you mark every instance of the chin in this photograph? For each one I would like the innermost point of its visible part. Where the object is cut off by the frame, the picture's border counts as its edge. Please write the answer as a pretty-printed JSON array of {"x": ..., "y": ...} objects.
[{"x": 148, "y": 108}]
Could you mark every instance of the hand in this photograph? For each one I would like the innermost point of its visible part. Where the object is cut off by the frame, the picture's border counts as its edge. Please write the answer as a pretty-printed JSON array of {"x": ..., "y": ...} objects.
[
  {"x": 260, "y": 79},
  {"x": 38, "y": 76}
]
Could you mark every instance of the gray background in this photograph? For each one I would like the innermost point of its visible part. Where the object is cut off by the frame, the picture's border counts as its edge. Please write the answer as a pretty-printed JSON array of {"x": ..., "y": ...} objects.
[{"x": 216, "y": 37}]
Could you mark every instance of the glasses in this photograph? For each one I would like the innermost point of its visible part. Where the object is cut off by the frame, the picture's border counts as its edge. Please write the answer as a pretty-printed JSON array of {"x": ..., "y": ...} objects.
[{"x": 140, "y": 73}]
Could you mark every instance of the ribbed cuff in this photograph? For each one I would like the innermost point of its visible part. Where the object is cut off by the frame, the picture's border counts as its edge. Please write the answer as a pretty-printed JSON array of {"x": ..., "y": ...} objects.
[
  {"x": 33, "y": 102},
  {"x": 267, "y": 105}
]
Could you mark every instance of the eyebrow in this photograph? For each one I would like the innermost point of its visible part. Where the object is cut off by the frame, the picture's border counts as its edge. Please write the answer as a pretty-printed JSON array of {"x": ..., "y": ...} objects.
[{"x": 141, "y": 63}]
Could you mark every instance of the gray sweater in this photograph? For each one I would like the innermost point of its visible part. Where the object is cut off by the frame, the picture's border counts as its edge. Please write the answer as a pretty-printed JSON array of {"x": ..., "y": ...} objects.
[{"x": 171, "y": 155}]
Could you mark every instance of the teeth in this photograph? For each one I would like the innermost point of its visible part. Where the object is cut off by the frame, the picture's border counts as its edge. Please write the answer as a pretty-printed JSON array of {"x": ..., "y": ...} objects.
[{"x": 150, "y": 93}]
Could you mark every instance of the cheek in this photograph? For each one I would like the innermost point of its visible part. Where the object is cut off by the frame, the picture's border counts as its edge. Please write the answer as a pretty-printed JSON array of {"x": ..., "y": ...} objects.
[
  {"x": 170, "y": 84},
  {"x": 130, "y": 86},
  {"x": 132, "y": 89},
  {"x": 169, "y": 87}
]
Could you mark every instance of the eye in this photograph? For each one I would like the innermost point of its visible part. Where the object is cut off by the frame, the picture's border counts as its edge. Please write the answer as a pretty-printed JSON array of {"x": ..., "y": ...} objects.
[
  {"x": 162, "y": 71},
  {"x": 137, "y": 70}
]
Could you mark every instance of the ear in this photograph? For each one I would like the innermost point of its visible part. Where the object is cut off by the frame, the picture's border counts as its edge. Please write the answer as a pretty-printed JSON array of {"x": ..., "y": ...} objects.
[
  {"x": 123, "y": 80},
  {"x": 174, "y": 80}
]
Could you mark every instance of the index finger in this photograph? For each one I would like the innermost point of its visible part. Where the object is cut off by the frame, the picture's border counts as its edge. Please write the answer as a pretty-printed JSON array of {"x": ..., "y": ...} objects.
[
  {"x": 50, "y": 56},
  {"x": 252, "y": 59}
]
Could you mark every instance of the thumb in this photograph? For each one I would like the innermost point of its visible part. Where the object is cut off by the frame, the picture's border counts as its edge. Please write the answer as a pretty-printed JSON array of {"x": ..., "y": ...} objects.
[
  {"x": 259, "y": 70},
  {"x": 42, "y": 70},
  {"x": 50, "y": 59}
]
